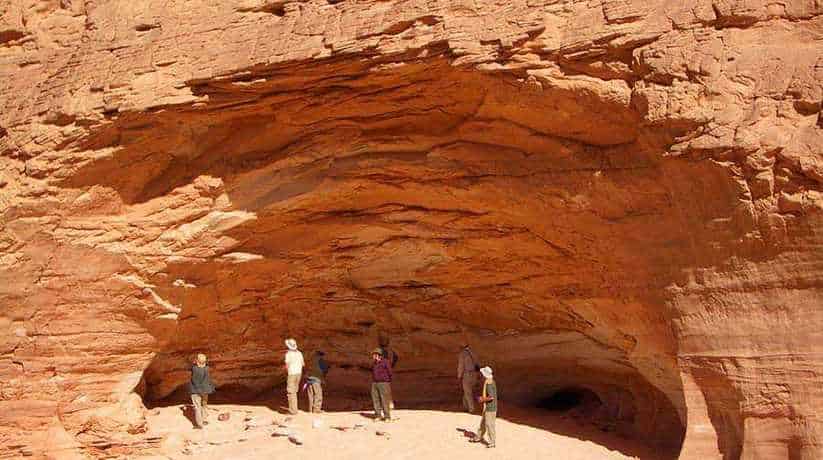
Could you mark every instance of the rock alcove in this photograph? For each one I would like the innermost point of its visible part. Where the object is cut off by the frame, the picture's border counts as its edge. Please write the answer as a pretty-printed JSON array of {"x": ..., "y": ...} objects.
[
  {"x": 419, "y": 201},
  {"x": 616, "y": 202}
]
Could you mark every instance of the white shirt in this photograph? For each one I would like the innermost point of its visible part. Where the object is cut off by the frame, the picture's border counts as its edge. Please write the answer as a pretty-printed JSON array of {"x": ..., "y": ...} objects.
[{"x": 294, "y": 362}]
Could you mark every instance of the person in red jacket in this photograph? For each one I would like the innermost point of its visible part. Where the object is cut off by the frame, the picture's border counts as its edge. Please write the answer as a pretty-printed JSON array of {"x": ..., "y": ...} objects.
[{"x": 381, "y": 386}]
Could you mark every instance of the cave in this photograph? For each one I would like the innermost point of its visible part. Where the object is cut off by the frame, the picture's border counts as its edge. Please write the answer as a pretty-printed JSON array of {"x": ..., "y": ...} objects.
[
  {"x": 342, "y": 200},
  {"x": 616, "y": 203},
  {"x": 568, "y": 398}
]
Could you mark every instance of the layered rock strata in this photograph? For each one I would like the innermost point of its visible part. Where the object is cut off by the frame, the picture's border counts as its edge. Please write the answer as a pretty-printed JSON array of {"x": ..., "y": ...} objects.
[{"x": 622, "y": 196}]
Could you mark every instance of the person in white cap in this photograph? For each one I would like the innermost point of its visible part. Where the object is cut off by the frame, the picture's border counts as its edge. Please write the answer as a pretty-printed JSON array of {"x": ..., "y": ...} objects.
[
  {"x": 489, "y": 402},
  {"x": 294, "y": 370}
]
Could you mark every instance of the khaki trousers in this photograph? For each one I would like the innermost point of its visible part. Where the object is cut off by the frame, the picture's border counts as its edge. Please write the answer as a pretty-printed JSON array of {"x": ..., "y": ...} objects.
[
  {"x": 487, "y": 426},
  {"x": 469, "y": 381},
  {"x": 292, "y": 385},
  {"x": 315, "y": 397},
  {"x": 381, "y": 398},
  {"x": 201, "y": 407}
]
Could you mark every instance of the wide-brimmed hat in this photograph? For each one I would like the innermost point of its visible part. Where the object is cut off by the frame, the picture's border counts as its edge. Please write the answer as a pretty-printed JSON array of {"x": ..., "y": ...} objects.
[
  {"x": 291, "y": 344},
  {"x": 487, "y": 372},
  {"x": 377, "y": 351}
]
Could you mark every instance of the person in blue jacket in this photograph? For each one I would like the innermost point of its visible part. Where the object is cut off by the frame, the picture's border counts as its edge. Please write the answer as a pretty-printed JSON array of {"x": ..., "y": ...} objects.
[
  {"x": 317, "y": 376},
  {"x": 200, "y": 388}
]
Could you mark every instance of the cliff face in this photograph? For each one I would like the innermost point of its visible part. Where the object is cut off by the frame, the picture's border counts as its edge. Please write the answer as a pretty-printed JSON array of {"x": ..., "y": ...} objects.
[{"x": 617, "y": 195}]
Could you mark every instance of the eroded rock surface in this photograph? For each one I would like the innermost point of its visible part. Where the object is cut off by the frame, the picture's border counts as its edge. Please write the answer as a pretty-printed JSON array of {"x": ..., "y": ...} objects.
[{"x": 617, "y": 195}]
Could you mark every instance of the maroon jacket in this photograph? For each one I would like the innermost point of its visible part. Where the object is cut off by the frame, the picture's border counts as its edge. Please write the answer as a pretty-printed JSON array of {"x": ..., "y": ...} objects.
[{"x": 381, "y": 372}]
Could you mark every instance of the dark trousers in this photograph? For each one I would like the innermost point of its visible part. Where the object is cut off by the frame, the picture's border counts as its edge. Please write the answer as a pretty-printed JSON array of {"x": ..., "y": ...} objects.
[
  {"x": 381, "y": 397},
  {"x": 315, "y": 397}
]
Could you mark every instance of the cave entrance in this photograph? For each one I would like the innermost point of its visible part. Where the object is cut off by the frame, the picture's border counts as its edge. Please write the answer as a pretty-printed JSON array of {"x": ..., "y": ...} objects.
[
  {"x": 568, "y": 398},
  {"x": 423, "y": 199}
]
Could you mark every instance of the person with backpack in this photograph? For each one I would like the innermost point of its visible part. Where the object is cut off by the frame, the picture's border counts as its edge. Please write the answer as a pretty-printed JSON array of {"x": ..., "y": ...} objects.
[
  {"x": 389, "y": 355},
  {"x": 467, "y": 367},
  {"x": 317, "y": 375},
  {"x": 294, "y": 371},
  {"x": 489, "y": 401},
  {"x": 200, "y": 387},
  {"x": 381, "y": 386}
]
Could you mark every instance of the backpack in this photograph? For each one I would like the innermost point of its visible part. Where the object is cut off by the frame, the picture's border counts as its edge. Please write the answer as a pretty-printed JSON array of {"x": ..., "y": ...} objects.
[
  {"x": 390, "y": 355},
  {"x": 474, "y": 360}
]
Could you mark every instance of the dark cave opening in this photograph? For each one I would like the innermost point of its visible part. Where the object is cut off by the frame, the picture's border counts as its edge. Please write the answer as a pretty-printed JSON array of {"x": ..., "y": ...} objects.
[{"x": 566, "y": 399}]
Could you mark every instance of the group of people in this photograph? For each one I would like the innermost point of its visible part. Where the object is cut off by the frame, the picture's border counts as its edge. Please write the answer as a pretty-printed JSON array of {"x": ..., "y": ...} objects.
[{"x": 384, "y": 359}]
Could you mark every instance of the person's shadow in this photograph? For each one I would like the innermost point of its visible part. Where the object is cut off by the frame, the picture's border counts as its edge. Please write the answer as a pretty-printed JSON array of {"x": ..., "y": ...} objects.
[
  {"x": 467, "y": 433},
  {"x": 188, "y": 411}
]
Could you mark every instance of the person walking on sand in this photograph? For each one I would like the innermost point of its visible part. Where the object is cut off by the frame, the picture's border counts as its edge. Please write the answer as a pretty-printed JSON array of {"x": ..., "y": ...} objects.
[
  {"x": 381, "y": 386},
  {"x": 489, "y": 401},
  {"x": 317, "y": 375},
  {"x": 294, "y": 370},
  {"x": 467, "y": 367},
  {"x": 200, "y": 387}
]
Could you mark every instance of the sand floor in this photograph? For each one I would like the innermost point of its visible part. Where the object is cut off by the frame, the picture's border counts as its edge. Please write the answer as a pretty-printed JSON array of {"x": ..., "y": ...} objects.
[{"x": 259, "y": 432}]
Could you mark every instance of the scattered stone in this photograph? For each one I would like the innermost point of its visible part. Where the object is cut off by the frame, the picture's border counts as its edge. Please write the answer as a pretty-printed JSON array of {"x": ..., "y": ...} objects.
[
  {"x": 296, "y": 439},
  {"x": 280, "y": 433}
]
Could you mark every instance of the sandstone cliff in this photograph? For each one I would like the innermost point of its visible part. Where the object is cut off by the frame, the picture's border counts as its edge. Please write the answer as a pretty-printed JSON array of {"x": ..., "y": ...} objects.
[{"x": 619, "y": 195}]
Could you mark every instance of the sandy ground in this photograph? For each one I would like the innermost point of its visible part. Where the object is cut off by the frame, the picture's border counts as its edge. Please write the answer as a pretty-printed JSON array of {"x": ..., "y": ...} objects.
[{"x": 258, "y": 432}]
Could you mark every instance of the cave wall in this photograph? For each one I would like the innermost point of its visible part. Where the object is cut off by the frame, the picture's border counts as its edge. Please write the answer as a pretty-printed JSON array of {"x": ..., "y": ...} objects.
[{"x": 617, "y": 194}]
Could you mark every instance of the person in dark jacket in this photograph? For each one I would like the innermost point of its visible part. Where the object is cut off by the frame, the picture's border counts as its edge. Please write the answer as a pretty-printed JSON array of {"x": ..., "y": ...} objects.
[
  {"x": 200, "y": 388},
  {"x": 391, "y": 356},
  {"x": 317, "y": 376},
  {"x": 467, "y": 367},
  {"x": 381, "y": 386}
]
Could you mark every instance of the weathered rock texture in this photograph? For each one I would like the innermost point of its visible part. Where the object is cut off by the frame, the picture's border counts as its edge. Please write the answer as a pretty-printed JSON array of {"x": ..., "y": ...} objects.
[{"x": 618, "y": 195}]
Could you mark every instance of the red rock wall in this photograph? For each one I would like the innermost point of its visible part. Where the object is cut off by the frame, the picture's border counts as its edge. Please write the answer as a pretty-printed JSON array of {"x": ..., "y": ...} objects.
[{"x": 617, "y": 194}]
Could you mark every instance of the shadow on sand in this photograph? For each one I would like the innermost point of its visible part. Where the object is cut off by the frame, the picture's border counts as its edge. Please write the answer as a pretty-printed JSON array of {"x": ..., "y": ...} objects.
[{"x": 555, "y": 422}]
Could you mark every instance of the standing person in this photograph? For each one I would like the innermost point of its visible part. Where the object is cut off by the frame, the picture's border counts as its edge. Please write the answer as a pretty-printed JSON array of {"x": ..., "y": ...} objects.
[
  {"x": 294, "y": 370},
  {"x": 200, "y": 387},
  {"x": 391, "y": 356},
  {"x": 317, "y": 375},
  {"x": 381, "y": 386},
  {"x": 467, "y": 367},
  {"x": 489, "y": 402}
]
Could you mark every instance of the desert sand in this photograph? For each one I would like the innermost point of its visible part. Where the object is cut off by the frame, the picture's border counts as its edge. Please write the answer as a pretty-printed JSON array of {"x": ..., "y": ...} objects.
[{"x": 261, "y": 432}]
